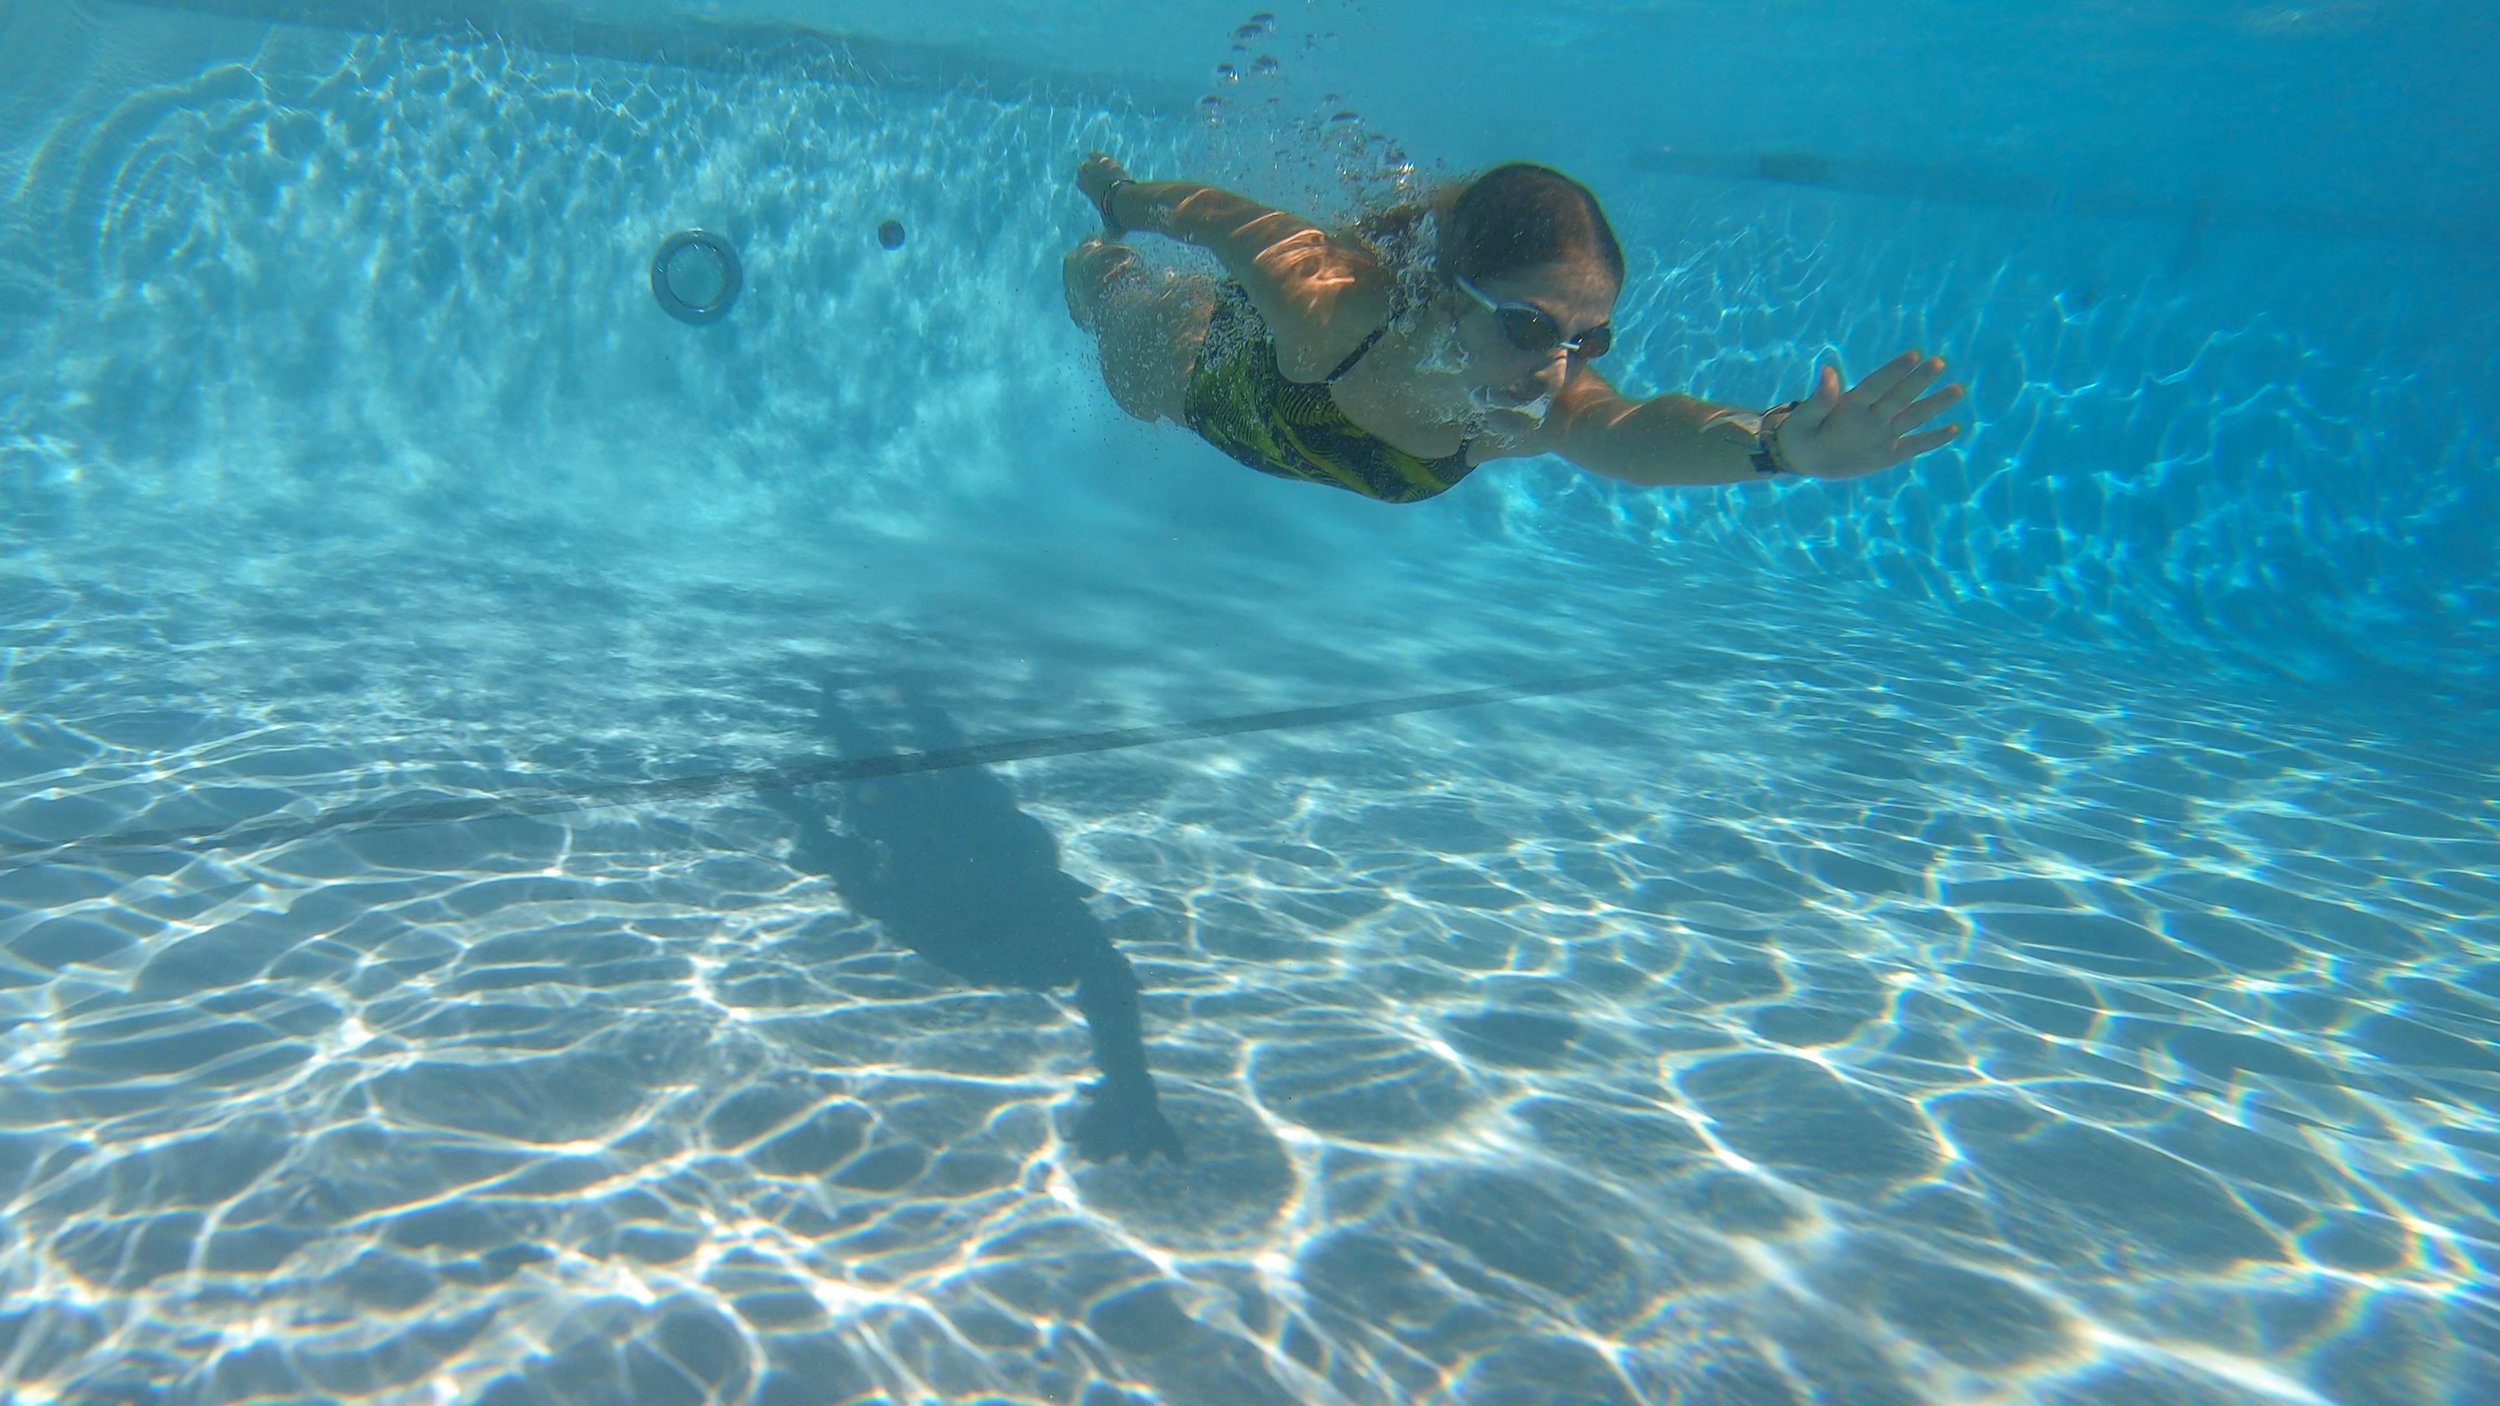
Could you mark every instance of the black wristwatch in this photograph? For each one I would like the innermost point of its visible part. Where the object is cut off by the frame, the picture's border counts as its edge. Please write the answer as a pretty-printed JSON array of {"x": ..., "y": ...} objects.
[
  {"x": 1111, "y": 225},
  {"x": 1766, "y": 458}
]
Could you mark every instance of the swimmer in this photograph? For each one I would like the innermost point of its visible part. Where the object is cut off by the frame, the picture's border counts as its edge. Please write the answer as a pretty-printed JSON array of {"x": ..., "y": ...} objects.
[{"x": 1395, "y": 358}]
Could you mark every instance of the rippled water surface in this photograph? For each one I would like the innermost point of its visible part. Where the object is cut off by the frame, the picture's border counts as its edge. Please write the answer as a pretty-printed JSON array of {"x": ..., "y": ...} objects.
[{"x": 526, "y": 828}]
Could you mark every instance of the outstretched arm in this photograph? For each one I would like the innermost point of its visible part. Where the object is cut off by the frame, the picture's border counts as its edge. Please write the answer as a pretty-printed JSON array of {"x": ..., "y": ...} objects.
[
  {"x": 1677, "y": 439},
  {"x": 1247, "y": 236},
  {"x": 1319, "y": 296}
]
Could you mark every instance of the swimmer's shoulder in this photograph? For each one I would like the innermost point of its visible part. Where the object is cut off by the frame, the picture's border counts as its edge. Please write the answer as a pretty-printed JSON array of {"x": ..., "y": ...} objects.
[{"x": 1324, "y": 303}]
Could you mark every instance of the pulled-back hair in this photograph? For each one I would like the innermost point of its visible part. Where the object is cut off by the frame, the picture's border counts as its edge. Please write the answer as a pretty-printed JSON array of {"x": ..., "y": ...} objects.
[{"x": 1520, "y": 216}]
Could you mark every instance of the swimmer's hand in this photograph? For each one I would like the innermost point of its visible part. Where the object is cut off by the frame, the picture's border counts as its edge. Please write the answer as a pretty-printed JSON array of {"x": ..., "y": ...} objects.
[
  {"x": 1872, "y": 427},
  {"x": 1094, "y": 178}
]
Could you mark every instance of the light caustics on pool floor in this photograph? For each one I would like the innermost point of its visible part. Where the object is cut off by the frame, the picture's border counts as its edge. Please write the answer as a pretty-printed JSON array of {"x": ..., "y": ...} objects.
[
  {"x": 1882, "y": 1008},
  {"x": 1862, "y": 1016}
]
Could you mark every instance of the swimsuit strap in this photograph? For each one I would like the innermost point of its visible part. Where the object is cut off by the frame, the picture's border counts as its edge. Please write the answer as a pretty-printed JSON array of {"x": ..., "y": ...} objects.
[
  {"x": 1348, "y": 364},
  {"x": 1357, "y": 355},
  {"x": 1398, "y": 304}
]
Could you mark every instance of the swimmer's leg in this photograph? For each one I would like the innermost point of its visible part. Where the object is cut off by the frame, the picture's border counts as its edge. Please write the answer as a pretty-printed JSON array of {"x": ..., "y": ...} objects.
[
  {"x": 1089, "y": 271},
  {"x": 1147, "y": 324}
]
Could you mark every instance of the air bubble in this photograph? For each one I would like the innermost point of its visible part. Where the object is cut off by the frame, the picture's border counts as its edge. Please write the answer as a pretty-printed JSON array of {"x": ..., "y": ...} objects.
[
  {"x": 1344, "y": 117},
  {"x": 1211, "y": 105},
  {"x": 1227, "y": 75},
  {"x": 1264, "y": 66}
]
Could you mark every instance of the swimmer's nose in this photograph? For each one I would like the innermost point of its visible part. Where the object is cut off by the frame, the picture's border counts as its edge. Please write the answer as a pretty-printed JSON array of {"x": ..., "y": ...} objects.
[{"x": 1549, "y": 375}]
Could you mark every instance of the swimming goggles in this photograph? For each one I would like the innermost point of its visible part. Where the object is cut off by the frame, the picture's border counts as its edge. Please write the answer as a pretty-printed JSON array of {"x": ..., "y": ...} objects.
[{"x": 1533, "y": 329}]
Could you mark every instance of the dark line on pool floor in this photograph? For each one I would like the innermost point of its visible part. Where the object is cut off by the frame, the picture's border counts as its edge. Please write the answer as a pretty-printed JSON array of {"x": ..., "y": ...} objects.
[{"x": 823, "y": 771}]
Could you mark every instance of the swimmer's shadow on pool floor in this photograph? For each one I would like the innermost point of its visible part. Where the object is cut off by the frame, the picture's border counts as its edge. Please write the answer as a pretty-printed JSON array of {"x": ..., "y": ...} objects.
[{"x": 949, "y": 866}]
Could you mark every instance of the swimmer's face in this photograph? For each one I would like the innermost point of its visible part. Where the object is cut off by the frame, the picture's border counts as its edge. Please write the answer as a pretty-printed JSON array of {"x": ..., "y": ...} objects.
[{"x": 1513, "y": 358}]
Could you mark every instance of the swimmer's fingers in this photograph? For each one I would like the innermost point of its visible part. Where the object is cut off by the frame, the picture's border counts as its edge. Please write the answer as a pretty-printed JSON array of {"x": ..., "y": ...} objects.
[
  {"x": 1884, "y": 380},
  {"x": 1919, "y": 412},
  {"x": 1906, "y": 388},
  {"x": 1911, "y": 446},
  {"x": 1818, "y": 405}
]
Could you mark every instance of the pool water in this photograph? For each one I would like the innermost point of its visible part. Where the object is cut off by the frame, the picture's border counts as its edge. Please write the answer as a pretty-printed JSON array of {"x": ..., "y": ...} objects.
[{"x": 544, "y": 849}]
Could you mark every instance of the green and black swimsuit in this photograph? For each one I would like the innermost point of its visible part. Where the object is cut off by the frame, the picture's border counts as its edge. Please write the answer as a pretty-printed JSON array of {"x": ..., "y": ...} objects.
[{"x": 1239, "y": 401}]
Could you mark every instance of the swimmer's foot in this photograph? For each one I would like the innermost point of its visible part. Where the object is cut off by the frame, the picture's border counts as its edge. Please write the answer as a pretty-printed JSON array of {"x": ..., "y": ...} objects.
[{"x": 1089, "y": 273}]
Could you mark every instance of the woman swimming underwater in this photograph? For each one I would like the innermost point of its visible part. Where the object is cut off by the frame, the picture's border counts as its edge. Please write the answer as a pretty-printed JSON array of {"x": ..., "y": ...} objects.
[{"x": 1395, "y": 358}]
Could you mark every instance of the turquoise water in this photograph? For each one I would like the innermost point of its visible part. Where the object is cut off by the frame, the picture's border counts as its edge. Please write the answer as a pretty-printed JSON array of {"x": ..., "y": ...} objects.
[{"x": 488, "y": 766}]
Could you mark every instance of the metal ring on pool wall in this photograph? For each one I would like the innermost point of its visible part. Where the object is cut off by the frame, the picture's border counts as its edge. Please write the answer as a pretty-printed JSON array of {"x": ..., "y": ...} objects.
[{"x": 696, "y": 276}]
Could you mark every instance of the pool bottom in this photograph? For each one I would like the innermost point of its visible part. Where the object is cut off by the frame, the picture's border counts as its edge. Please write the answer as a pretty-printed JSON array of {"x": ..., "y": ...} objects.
[{"x": 1890, "y": 1006}]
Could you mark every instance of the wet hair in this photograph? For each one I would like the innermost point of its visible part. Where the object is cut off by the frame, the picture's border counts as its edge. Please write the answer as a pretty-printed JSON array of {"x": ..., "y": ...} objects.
[{"x": 1521, "y": 216}]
